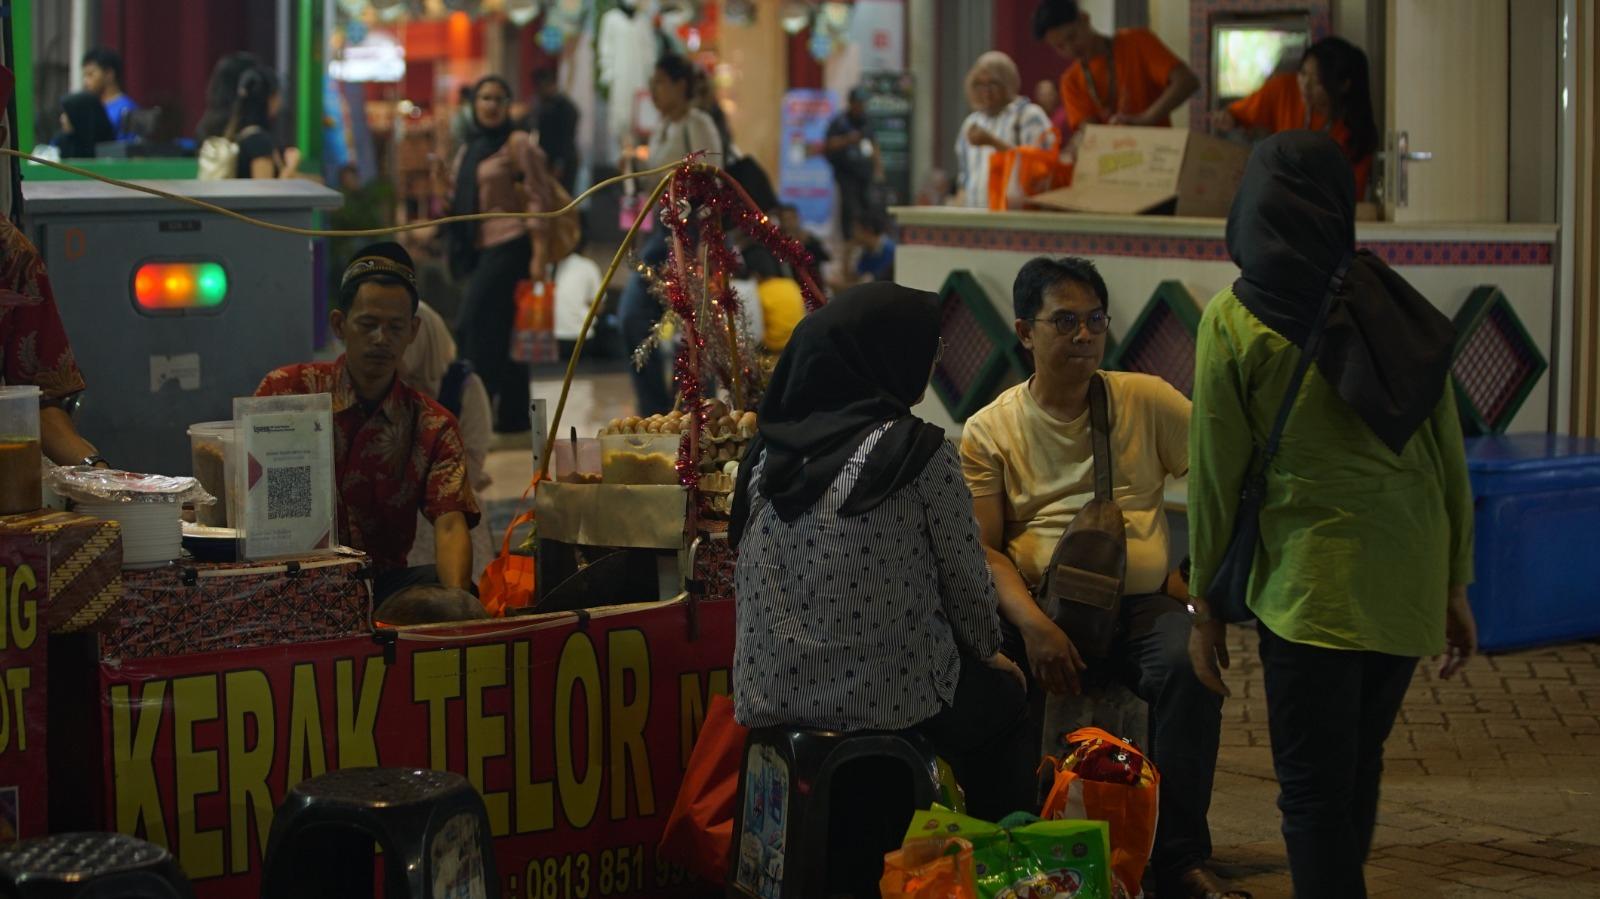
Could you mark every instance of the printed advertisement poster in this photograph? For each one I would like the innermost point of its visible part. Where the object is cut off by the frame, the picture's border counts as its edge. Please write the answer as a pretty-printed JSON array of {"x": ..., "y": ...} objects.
[
  {"x": 286, "y": 445},
  {"x": 805, "y": 180},
  {"x": 878, "y": 31},
  {"x": 577, "y": 737},
  {"x": 889, "y": 112}
]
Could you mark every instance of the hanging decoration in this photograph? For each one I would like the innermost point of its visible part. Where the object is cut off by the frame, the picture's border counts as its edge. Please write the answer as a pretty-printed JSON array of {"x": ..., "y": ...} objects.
[
  {"x": 702, "y": 311},
  {"x": 820, "y": 45}
]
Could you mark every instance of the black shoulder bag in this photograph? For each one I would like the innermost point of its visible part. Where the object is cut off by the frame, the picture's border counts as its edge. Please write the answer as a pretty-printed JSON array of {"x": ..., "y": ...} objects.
[
  {"x": 1229, "y": 591},
  {"x": 1082, "y": 588}
]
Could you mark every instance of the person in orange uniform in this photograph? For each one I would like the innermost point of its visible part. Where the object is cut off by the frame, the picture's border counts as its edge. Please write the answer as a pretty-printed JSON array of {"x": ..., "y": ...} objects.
[
  {"x": 1127, "y": 79},
  {"x": 1329, "y": 93}
]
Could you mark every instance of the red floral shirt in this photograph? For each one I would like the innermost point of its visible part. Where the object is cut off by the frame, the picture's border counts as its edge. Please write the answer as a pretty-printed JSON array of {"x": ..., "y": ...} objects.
[
  {"x": 33, "y": 343},
  {"x": 404, "y": 456}
]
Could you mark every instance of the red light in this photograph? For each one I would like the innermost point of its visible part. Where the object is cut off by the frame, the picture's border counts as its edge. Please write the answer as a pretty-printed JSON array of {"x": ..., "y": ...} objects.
[{"x": 179, "y": 285}]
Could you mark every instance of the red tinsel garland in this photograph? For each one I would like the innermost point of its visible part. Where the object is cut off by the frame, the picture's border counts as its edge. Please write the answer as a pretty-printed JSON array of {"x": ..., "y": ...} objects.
[{"x": 700, "y": 199}]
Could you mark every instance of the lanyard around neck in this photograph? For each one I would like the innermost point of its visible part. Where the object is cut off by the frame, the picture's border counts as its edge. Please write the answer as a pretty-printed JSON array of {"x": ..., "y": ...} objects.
[{"x": 1106, "y": 110}]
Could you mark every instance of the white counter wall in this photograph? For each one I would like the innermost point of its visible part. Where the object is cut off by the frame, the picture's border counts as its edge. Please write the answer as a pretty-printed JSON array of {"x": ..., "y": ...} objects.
[{"x": 1136, "y": 253}]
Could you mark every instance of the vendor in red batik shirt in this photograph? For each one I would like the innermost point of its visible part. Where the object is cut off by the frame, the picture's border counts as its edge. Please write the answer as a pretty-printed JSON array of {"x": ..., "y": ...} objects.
[
  {"x": 33, "y": 344},
  {"x": 396, "y": 451}
]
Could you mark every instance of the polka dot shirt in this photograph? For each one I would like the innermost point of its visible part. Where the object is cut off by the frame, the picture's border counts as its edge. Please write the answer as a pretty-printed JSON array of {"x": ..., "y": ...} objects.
[{"x": 858, "y": 623}]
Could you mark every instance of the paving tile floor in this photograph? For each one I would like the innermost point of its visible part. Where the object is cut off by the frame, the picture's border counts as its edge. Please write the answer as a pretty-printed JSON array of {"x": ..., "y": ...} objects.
[{"x": 1491, "y": 787}]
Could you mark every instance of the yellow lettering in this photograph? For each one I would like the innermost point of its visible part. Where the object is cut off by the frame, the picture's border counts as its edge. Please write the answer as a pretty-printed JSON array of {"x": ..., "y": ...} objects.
[
  {"x": 24, "y": 613},
  {"x": 692, "y": 703},
  {"x": 486, "y": 734},
  {"x": 535, "y": 799},
  {"x": 133, "y": 770},
  {"x": 435, "y": 679},
  {"x": 249, "y": 696},
  {"x": 579, "y": 666},
  {"x": 17, "y": 681},
  {"x": 194, "y": 701},
  {"x": 628, "y": 658},
  {"x": 305, "y": 728},
  {"x": 358, "y": 719}
]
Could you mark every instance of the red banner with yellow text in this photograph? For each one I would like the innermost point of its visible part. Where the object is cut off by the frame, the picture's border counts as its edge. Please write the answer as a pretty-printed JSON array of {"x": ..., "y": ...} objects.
[
  {"x": 576, "y": 734},
  {"x": 24, "y": 584}
]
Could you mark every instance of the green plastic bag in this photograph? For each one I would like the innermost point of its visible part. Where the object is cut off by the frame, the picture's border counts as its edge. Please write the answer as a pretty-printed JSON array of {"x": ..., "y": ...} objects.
[{"x": 1025, "y": 858}]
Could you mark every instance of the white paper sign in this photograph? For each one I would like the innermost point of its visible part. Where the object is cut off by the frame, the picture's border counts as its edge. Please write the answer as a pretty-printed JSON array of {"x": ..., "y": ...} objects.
[{"x": 285, "y": 479}]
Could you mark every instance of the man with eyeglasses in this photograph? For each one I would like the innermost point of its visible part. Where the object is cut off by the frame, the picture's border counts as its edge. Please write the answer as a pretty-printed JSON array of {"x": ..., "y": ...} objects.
[{"x": 1029, "y": 462}]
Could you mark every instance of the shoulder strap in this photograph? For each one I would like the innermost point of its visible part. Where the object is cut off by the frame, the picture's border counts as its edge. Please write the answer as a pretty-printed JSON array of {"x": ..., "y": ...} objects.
[
  {"x": 1100, "y": 428},
  {"x": 1308, "y": 355}
]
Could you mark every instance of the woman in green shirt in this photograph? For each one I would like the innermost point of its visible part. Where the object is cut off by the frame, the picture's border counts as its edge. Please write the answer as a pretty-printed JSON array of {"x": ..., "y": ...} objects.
[{"x": 1366, "y": 528}]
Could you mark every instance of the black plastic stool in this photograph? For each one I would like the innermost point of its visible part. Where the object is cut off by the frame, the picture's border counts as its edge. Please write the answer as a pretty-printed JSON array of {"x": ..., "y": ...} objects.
[
  {"x": 431, "y": 824},
  {"x": 817, "y": 810},
  {"x": 90, "y": 866}
]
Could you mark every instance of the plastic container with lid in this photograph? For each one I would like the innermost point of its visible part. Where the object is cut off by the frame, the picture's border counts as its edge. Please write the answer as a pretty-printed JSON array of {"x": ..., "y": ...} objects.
[
  {"x": 639, "y": 458},
  {"x": 20, "y": 456},
  {"x": 211, "y": 453},
  {"x": 1537, "y": 500}
]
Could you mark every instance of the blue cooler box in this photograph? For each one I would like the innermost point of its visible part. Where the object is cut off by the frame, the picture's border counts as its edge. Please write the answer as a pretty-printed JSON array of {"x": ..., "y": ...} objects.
[{"x": 1538, "y": 538}]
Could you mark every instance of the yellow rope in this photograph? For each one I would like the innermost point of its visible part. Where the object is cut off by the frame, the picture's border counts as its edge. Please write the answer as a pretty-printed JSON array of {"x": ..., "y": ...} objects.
[{"x": 321, "y": 232}]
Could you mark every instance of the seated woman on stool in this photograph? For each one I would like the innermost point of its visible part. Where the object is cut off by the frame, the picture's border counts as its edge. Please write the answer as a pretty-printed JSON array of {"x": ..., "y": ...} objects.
[{"x": 864, "y": 598}]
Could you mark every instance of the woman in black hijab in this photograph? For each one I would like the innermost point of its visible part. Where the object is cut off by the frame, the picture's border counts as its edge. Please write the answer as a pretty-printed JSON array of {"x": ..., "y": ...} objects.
[
  {"x": 84, "y": 124},
  {"x": 864, "y": 597},
  {"x": 1365, "y": 546},
  {"x": 499, "y": 169}
]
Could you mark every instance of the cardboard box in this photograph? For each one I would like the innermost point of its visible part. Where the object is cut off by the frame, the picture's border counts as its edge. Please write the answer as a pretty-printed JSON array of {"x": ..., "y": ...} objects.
[{"x": 1127, "y": 170}]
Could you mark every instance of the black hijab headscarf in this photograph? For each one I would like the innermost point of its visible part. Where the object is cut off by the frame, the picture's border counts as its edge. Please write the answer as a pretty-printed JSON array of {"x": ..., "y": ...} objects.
[
  {"x": 851, "y": 366},
  {"x": 90, "y": 125},
  {"x": 1386, "y": 349},
  {"x": 485, "y": 142}
]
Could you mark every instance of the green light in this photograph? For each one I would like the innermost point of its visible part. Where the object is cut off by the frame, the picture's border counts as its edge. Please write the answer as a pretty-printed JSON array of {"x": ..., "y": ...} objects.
[{"x": 213, "y": 284}]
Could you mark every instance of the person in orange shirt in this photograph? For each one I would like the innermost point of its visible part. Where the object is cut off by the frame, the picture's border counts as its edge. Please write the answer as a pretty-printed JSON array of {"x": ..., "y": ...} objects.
[
  {"x": 1128, "y": 79},
  {"x": 1329, "y": 93}
]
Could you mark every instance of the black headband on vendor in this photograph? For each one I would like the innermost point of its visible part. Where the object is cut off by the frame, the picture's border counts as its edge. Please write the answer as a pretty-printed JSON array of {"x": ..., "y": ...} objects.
[{"x": 386, "y": 262}]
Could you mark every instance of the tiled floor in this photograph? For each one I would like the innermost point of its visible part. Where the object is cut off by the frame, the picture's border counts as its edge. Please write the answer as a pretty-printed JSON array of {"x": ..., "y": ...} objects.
[
  {"x": 1492, "y": 785},
  {"x": 1493, "y": 780}
]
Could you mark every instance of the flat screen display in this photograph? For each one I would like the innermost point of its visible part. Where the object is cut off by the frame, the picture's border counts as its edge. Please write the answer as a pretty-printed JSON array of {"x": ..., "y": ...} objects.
[{"x": 1246, "y": 52}]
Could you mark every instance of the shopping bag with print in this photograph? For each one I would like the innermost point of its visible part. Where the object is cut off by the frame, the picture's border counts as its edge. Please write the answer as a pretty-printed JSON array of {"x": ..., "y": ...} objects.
[
  {"x": 533, "y": 337},
  {"x": 1024, "y": 856},
  {"x": 1106, "y": 779},
  {"x": 934, "y": 868}
]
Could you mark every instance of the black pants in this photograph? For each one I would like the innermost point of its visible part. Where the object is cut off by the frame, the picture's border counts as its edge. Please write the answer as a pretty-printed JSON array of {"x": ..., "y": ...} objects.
[
  {"x": 983, "y": 734},
  {"x": 1329, "y": 712},
  {"x": 855, "y": 201},
  {"x": 485, "y": 331},
  {"x": 1151, "y": 658}
]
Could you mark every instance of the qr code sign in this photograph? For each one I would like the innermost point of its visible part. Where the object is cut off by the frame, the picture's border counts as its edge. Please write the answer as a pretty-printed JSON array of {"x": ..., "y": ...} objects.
[{"x": 289, "y": 492}]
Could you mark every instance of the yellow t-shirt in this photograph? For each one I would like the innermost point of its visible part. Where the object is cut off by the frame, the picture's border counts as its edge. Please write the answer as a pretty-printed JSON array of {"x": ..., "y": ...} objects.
[
  {"x": 1044, "y": 468},
  {"x": 782, "y": 307}
]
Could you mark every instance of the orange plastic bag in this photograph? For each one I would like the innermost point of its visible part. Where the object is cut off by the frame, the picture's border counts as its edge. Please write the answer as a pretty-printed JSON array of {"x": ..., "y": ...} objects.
[
  {"x": 933, "y": 868},
  {"x": 1105, "y": 779},
  {"x": 507, "y": 581},
  {"x": 699, "y": 831},
  {"x": 533, "y": 337},
  {"x": 1021, "y": 172}
]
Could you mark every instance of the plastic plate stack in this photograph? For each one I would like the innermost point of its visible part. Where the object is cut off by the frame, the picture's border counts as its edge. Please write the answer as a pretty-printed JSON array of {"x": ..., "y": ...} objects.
[{"x": 152, "y": 533}]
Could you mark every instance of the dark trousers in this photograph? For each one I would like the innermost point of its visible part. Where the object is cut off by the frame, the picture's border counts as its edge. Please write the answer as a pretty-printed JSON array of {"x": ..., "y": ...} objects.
[
  {"x": 983, "y": 734},
  {"x": 638, "y": 313},
  {"x": 485, "y": 331},
  {"x": 855, "y": 201},
  {"x": 1151, "y": 657},
  {"x": 1329, "y": 712}
]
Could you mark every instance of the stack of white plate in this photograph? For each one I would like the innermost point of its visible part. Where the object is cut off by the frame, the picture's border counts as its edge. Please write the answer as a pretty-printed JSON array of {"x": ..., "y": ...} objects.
[{"x": 152, "y": 533}]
